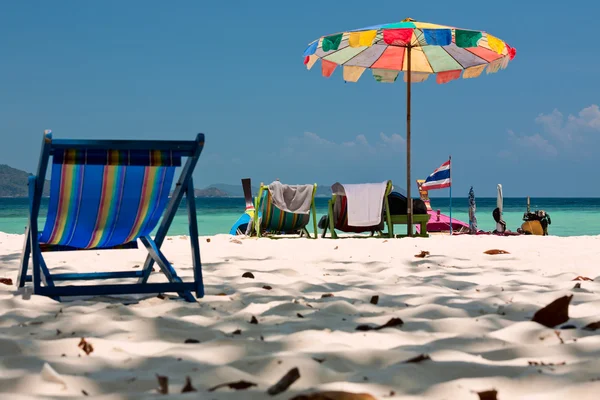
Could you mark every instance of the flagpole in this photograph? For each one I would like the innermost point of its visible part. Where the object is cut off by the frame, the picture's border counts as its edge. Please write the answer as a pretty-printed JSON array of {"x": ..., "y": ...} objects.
[{"x": 450, "y": 176}]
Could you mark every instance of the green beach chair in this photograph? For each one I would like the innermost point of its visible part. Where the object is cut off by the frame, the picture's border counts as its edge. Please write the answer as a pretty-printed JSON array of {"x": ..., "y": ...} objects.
[
  {"x": 269, "y": 218},
  {"x": 337, "y": 217},
  {"x": 107, "y": 194}
]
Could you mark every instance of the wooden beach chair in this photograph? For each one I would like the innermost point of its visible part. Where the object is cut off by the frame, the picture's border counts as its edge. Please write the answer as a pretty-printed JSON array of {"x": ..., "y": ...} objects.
[
  {"x": 269, "y": 218},
  {"x": 106, "y": 194},
  {"x": 337, "y": 217}
]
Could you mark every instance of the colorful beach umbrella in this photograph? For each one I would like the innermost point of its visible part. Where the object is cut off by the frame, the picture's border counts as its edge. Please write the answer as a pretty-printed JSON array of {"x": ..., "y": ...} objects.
[{"x": 419, "y": 49}]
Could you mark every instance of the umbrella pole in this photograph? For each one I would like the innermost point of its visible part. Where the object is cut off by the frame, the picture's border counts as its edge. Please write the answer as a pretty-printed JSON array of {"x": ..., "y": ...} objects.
[{"x": 409, "y": 202}]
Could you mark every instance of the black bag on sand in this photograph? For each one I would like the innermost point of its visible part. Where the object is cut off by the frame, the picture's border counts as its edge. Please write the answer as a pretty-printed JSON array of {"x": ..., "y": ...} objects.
[{"x": 398, "y": 205}]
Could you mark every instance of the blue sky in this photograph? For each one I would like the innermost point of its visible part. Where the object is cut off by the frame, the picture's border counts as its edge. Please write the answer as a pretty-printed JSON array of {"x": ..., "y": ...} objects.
[{"x": 233, "y": 70}]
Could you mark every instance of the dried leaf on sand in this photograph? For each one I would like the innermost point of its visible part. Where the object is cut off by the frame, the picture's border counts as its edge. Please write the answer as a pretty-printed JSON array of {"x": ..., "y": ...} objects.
[
  {"x": 493, "y": 252},
  {"x": 554, "y": 313},
  {"x": 285, "y": 382},
  {"x": 593, "y": 326},
  {"x": 583, "y": 278},
  {"x": 239, "y": 385},
  {"x": 85, "y": 346},
  {"x": 390, "y": 324},
  {"x": 488, "y": 395},
  {"x": 248, "y": 275},
  {"x": 418, "y": 359},
  {"x": 188, "y": 386},
  {"x": 163, "y": 384},
  {"x": 6, "y": 281},
  {"x": 334, "y": 396},
  {"x": 422, "y": 254}
]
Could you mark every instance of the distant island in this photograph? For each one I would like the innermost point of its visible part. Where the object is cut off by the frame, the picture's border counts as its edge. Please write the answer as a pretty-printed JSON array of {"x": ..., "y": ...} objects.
[{"x": 13, "y": 183}]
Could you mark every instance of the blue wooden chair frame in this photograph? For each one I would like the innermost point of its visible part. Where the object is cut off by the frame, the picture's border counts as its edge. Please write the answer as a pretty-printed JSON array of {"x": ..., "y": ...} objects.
[{"x": 40, "y": 272}]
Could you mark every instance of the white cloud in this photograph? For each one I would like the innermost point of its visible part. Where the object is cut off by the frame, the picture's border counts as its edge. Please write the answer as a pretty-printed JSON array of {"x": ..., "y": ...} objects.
[
  {"x": 534, "y": 142},
  {"x": 357, "y": 147},
  {"x": 558, "y": 132},
  {"x": 572, "y": 127}
]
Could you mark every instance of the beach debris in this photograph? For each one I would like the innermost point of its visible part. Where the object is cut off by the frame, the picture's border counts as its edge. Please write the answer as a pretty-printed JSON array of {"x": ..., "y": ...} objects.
[
  {"x": 554, "y": 313},
  {"x": 319, "y": 360},
  {"x": 374, "y": 300},
  {"x": 161, "y": 296},
  {"x": 236, "y": 241},
  {"x": 190, "y": 341},
  {"x": 221, "y": 294},
  {"x": 494, "y": 252},
  {"x": 239, "y": 385},
  {"x": 267, "y": 287},
  {"x": 336, "y": 247},
  {"x": 85, "y": 346},
  {"x": 326, "y": 295},
  {"x": 136, "y": 266},
  {"x": 583, "y": 278},
  {"x": 334, "y": 395},
  {"x": 594, "y": 326},
  {"x": 390, "y": 324},
  {"x": 488, "y": 395},
  {"x": 207, "y": 240},
  {"x": 49, "y": 374},
  {"x": 84, "y": 392},
  {"x": 188, "y": 386},
  {"x": 248, "y": 275},
  {"x": 237, "y": 332},
  {"x": 418, "y": 359},
  {"x": 543, "y": 364},
  {"x": 253, "y": 320},
  {"x": 577, "y": 286},
  {"x": 557, "y": 333},
  {"x": 422, "y": 254},
  {"x": 299, "y": 315},
  {"x": 163, "y": 384},
  {"x": 6, "y": 281},
  {"x": 285, "y": 382}
]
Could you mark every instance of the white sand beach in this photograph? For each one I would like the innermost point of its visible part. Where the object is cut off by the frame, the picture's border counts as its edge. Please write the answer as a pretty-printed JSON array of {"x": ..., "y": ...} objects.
[{"x": 468, "y": 312}]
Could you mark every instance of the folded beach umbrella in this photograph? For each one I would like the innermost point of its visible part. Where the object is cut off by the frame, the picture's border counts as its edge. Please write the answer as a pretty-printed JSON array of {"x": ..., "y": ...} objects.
[
  {"x": 419, "y": 49},
  {"x": 472, "y": 217}
]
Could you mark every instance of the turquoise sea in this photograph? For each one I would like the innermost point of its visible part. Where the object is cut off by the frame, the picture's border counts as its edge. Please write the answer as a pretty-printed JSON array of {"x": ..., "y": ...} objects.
[{"x": 570, "y": 216}]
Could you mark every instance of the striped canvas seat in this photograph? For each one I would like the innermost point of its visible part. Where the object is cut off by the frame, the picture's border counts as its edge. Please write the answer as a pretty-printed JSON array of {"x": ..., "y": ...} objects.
[
  {"x": 279, "y": 221},
  {"x": 106, "y": 198}
]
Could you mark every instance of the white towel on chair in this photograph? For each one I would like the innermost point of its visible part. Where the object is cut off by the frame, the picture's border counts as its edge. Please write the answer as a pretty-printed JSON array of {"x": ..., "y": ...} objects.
[{"x": 365, "y": 202}]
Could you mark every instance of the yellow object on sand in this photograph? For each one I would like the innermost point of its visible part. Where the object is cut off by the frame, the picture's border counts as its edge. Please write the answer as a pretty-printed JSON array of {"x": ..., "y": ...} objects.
[{"x": 533, "y": 227}]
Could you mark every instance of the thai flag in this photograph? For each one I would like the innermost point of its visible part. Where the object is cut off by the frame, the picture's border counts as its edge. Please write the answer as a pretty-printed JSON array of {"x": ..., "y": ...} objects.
[{"x": 439, "y": 179}]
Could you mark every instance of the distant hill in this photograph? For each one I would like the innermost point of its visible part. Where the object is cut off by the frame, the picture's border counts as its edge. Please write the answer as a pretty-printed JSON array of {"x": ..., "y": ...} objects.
[
  {"x": 227, "y": 190},
  {"x": 210, "y": 192},
  {"x": 13, "y": 182}
]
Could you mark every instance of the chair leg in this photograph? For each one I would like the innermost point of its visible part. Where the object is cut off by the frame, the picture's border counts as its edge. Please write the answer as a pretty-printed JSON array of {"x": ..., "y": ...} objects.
[
  {"x": 165, "y": 266},
  {"x": 24, "y": 263},
  {"x": 193, "y": 225}
]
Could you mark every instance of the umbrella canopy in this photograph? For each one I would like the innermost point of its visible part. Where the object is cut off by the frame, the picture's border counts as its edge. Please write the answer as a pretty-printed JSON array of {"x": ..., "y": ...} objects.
[
  {"x": 420, "y": 49},
  {"x": 435, "y": 49},
  {"x": 472, "y": 208}
]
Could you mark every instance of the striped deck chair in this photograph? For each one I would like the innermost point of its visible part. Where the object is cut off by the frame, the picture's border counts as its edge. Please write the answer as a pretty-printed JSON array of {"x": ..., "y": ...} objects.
[
  {"x": 106, "y": 194},
  {"x": 271, "y": 219},
  {"x": 337, "y": 217}
]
